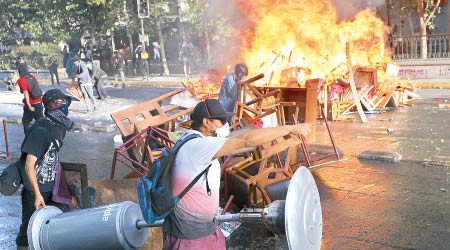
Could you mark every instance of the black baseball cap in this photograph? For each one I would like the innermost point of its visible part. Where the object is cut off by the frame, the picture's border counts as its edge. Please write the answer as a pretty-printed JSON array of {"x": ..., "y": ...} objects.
[{"x": 209, "y": 108}]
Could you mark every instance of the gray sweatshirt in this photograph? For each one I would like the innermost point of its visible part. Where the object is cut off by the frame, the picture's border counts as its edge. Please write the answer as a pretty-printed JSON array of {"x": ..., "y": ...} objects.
[{"x": 84, "y": 76}]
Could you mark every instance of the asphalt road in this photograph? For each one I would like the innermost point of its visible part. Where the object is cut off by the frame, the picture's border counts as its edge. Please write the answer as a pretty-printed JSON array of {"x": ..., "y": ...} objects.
[{"x": 365, "y": 205}]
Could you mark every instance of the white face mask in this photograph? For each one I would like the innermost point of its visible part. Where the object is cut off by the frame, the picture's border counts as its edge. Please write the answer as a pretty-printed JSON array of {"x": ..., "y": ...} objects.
[{"x": 223, "y": 131}]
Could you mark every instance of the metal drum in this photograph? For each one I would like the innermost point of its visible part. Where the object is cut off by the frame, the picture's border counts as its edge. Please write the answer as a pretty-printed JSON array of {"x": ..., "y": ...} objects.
[{"x": 107, "y": 227}]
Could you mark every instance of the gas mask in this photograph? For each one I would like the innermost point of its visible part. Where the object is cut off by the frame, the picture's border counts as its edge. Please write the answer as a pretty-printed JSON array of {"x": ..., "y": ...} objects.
[{"x": 224, "y": 131}]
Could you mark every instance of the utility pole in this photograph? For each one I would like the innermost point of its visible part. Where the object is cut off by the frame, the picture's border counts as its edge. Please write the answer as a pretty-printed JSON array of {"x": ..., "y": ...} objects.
[{"x": 142, "y": 30}]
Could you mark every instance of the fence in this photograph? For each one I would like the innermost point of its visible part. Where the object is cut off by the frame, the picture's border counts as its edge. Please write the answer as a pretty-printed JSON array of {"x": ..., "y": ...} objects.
[
  {"x": 408, "y": 47},
  {"x": 36, "y": 61}
]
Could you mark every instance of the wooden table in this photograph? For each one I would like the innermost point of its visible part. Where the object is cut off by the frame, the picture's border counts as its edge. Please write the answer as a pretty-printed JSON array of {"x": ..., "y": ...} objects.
[{"x": 300, "y": 101}]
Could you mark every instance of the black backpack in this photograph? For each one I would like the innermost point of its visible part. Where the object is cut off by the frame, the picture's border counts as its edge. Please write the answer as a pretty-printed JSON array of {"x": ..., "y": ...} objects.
[
  {"x": 156, "y": 199},
  {"x": 35, "y": 91},
  {"x": 11, "y": 177}
]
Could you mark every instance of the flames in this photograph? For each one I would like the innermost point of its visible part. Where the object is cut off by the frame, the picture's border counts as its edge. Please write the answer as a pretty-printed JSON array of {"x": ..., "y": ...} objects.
[{"x": 291, "y": 41}]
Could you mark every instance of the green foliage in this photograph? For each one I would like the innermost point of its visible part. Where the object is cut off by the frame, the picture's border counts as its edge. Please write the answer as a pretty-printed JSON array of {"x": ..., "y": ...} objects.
[
  {"x": 22, "y": 51},
  {"x": 200, "y": 22},
  {"x": 48, "y": 49},
  {"x": 410, "y": 6},
  {"x": 55, "y": 20}
]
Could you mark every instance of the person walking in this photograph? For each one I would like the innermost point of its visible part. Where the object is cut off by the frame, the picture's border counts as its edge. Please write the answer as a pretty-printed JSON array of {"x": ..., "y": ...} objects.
[
  {"x": 186, "y": 57},
  {"x": 96, "y": 55},
  {"x": 53, "y": 69},
  {"x": 32, "y": 94},
  {"x": 39, "y": 161},
  {"x": 99, "y": 79},
  {"x": 85, "y": 83},
  {"x": 156, "y": 53},
  {"x": 118, "y": 63},
  {"x": 142, "y": 60},
  {"x": 65, "y": 54}
]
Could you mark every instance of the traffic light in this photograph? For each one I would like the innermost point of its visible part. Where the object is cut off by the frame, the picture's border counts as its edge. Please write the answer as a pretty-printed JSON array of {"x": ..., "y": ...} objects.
[{"x": 143, "y": 7}]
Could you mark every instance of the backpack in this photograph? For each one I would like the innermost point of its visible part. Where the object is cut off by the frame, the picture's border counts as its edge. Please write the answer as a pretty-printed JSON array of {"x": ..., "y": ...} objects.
[
  {"x": 155, "y": 190},
  {"x": 144, "y": 54},
  {"x": 10, "y": 179},
  {"x": 35, "y": 91}
]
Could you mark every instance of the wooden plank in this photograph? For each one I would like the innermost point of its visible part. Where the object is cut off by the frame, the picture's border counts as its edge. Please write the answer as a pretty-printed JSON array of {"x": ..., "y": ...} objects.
[{"x": 353, "y": 87}]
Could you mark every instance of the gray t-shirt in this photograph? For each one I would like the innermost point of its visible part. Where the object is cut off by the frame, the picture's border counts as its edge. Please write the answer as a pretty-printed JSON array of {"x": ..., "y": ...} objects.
[{"x": 194, "y": 215}]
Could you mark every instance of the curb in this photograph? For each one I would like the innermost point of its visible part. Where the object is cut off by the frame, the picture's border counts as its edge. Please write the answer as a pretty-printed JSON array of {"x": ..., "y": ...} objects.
[
  {"x": 393, "y": 157},
  {"x": 79, "y": 127},
  {"x": 148, "y": 83},
  {"x": 433, "y": 85}
]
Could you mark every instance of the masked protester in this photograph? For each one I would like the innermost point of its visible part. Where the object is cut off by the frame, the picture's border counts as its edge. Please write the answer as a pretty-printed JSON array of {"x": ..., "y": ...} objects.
[
  {"x": 229, "y": 89},
  {"x": 192, "y": 224},
  {"x": 32, "y": 94},
  {"x": 39, "y": 161}
]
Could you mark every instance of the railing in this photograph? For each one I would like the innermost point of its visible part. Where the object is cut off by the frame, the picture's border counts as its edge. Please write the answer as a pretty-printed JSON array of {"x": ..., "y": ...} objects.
[
  {"x": 35, "y": 61},
  {"x": 5, "y": 155},
  {"x": 408, "y": 47}
]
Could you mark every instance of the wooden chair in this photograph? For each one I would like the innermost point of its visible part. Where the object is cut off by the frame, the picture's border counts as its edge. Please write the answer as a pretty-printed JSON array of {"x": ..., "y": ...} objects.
[
  {"x": 262, "y": 104},
  {"x": 264, "y": 168},
  {"x": 147, "y": 148},
  {"x": 149, "y": 113}
]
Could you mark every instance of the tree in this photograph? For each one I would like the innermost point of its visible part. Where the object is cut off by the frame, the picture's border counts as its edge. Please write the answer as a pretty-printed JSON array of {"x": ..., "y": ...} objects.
[
  {"x": 55, "y": 20},
  {"x": 210, "y": 27},
  {"x": 426, "y": 12},
  {"x": 161, "y": 37}
]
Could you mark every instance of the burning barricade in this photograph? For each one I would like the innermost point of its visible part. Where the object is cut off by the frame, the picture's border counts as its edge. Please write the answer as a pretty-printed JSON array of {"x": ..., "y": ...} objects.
[{"x": 303, "y": 60}]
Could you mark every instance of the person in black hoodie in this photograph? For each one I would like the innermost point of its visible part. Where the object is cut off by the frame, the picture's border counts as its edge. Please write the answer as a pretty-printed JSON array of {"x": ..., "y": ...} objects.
[{"x": 39, "y": 160}]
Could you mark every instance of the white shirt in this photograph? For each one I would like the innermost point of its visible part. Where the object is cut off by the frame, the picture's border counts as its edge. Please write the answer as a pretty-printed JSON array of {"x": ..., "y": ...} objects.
[{"x": 192, "y": 158}]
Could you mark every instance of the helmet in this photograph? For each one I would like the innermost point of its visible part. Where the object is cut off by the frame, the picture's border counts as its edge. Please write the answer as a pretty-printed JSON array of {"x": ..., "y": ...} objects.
[
  {"x": 54, "y": 98},
  {"x": 241, "y": 71}
]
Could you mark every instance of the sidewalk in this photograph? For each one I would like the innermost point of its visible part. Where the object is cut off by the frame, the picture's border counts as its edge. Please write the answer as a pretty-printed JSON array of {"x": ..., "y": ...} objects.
[{"x": 173, "y": 80}]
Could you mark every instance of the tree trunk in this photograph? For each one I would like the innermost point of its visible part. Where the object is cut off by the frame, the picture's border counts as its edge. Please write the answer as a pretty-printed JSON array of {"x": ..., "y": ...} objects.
[
  {"x": 422, "y": 30},
  {"x": 423, "y": 25},
  {"x": 411, "y": 26},
  {"x": 127, "y": 29},
  {"x": 93, "y": 36},
  {"x": 161, "y": 42},
  {"x": 208, "y": 47}
]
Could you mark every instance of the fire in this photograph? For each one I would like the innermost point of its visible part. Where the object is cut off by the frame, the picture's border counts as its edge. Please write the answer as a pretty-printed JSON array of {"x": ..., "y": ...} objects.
[{"x": 291, "y": 41}]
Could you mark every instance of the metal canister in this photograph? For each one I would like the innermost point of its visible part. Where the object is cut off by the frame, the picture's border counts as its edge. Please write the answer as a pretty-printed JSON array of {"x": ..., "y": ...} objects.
[{"x": 107, "y": 227}]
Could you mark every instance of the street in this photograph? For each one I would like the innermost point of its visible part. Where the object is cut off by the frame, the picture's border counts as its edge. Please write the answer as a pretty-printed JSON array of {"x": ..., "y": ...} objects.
[{"x": 365, "y": 204}]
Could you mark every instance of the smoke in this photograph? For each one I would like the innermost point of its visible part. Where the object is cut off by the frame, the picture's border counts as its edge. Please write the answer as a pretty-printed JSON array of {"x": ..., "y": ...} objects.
[
  {"x": 224, "y": 45},
  {"x": 347, "y": 9}
]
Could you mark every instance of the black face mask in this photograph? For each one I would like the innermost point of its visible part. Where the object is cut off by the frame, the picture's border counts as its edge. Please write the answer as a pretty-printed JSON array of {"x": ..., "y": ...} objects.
[{"x": 59, "y": 116}]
